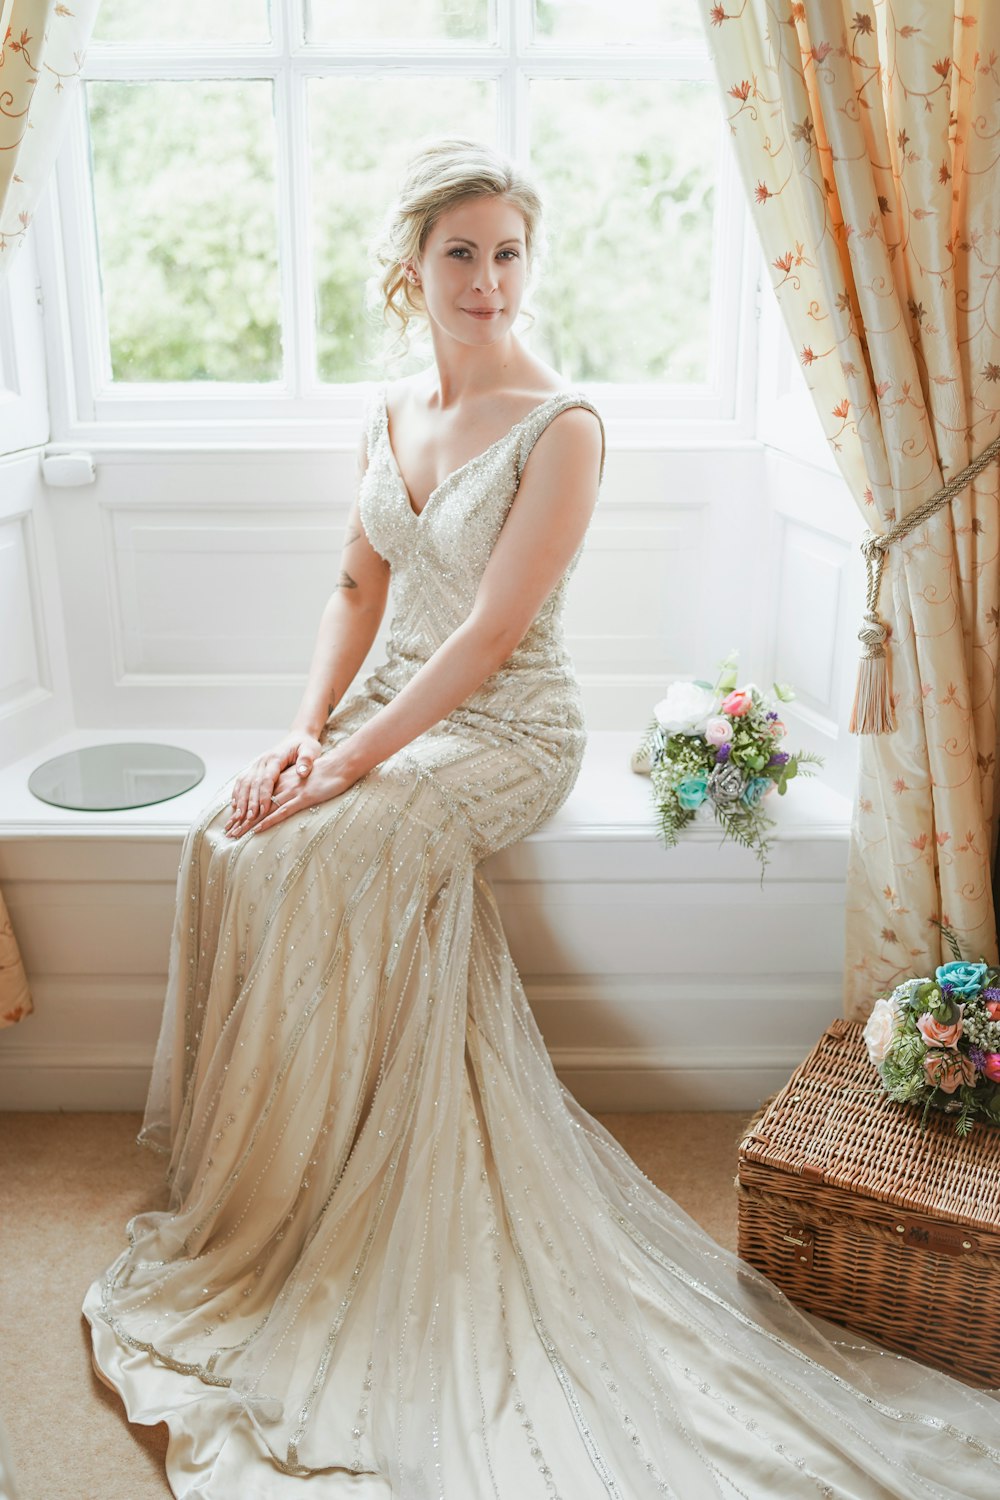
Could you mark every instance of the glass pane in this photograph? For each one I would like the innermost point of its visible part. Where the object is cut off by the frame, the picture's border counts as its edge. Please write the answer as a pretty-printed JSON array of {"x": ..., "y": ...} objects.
[
  {"x": 625, "y": 21},
  {"x": 628, "y": 172},
  {"x": 106, "y": 778},
  {"x": 359, "y": 152},
  {"x": 384, "y": 21},
  {"x": 151, "y": 20},
  {"x": 184, "y": 190}
]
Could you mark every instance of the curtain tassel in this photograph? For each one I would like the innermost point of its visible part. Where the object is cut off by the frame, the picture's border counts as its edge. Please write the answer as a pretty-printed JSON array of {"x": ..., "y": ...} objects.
[{"x": 872, "y": 712}]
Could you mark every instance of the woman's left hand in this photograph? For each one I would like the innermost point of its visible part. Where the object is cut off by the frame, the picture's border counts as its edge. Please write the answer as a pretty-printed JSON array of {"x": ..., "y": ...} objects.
[{"x": 330, "y": 776}]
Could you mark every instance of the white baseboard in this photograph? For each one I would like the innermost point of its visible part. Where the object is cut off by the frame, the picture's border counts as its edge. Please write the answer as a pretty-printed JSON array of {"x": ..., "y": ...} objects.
[{"x": 635, "y": 1079}]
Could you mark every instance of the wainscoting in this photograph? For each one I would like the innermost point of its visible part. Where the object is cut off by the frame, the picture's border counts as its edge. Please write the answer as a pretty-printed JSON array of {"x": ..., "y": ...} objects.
[{"x": 660, "y": 979}]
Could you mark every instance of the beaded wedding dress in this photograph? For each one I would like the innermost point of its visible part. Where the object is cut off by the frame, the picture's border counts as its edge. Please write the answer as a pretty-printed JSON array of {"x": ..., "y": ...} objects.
[{"x": 399, "y": 1259}]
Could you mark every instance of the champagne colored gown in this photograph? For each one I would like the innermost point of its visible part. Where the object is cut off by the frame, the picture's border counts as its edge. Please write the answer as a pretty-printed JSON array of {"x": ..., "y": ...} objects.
[{"x": 400, "y": 1260}]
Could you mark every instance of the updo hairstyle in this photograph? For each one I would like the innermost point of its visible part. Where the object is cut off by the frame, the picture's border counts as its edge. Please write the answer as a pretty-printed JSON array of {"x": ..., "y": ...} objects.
[{"x": 441, "y": 175}]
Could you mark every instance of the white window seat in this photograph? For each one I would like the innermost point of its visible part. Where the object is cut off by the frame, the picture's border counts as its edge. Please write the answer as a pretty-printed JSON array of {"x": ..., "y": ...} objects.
[{"x": 660, "y": 978}]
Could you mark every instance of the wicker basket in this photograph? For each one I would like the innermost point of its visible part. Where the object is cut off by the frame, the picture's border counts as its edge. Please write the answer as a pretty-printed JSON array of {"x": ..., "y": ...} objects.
[{"x": 862, "y": 1218}]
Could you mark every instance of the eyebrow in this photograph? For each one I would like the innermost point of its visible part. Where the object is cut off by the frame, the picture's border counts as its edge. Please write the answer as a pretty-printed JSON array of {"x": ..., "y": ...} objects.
[{"x": 459, "y": 240}]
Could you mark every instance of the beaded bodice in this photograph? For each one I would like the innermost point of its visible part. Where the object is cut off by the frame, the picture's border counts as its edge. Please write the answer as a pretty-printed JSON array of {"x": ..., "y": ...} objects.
[{"x": 438, "y": 556}]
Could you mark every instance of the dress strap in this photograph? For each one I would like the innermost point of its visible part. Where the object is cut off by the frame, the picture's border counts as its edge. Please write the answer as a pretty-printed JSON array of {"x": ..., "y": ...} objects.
[
  {"x": 373, "y": 409},
  {"x": 538, "y": 420}
]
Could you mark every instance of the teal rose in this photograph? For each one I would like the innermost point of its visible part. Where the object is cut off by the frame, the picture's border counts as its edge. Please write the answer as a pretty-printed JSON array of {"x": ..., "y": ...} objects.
[
  {"x": 755, "y": 789},
  {"x": 692, "y": 791},
  {"x": 962, "y": 978}
]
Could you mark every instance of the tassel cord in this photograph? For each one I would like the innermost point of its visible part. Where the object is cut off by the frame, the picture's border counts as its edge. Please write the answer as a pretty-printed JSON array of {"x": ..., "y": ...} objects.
[{"x": 873, "y": 712}]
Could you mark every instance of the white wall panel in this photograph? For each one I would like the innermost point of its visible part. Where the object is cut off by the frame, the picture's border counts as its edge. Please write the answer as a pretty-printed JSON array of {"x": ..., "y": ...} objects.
[
  {"x": 807, "y": 611},
  {"x": 35, "y": 700},
  {"x": 815, "y": 602},
  {"x": 217, "y": 593},
  {"x": 636, "y": 592},
  {"x": 194, "y": 581},
  {"x": 24, "y": 417},
  {"x": 21, "y": 670}
]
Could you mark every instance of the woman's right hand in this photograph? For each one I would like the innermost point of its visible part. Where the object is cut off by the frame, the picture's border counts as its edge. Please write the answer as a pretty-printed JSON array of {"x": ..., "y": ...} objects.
[{"x": 254, "y": 786}]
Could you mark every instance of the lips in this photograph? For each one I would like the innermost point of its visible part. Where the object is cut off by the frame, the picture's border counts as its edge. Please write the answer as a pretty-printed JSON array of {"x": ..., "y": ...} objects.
[{"x": 483, "y": 312}]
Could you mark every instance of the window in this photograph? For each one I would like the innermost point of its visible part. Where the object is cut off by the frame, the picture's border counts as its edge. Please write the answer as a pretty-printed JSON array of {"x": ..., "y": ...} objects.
[{"x": 229, "y": 163}]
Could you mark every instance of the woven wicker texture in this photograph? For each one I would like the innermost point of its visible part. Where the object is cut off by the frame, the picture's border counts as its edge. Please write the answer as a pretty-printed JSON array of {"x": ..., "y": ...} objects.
[{"x": 862, "y": 1218}]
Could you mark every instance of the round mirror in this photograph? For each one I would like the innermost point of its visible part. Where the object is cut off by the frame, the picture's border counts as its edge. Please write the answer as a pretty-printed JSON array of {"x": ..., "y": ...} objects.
[{"x": 109, "y": 778}]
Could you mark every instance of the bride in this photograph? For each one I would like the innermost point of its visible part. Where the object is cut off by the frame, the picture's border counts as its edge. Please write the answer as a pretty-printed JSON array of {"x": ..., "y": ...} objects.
[{"x": 399, "y": 1259}]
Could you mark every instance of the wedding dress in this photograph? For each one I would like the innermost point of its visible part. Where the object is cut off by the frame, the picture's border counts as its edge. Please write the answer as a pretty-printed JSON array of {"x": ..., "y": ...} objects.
[{"x": 400, "y": 1260}]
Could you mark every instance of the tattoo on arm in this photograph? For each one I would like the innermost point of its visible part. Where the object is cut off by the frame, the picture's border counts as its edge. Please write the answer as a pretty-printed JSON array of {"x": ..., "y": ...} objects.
[
  {"x": 345, "y": 581},
  {"x": 353, "y": 535}
]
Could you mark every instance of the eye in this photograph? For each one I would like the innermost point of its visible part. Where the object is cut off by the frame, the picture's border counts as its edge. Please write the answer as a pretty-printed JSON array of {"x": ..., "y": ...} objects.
[
  {"x": 459, "y": 250},
  {"x": 514, "y": 254}
]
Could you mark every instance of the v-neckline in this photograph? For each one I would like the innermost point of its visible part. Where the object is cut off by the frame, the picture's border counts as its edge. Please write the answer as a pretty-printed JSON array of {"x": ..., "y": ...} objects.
[{"x": 476, "y": 457}]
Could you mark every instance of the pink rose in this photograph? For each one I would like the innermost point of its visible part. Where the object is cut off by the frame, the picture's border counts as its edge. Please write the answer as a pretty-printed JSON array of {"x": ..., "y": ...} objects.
[
  {"x": 993, "y": 1009},
  {"x": 935, "y": 1034},
  {"x": 778, "y": 729},
  {"x": 718, "y": 731},
  {"x": 991, "y": 1066},
  {"x": 739, "y": 702},
  {"x": 949, "y": 1070}
]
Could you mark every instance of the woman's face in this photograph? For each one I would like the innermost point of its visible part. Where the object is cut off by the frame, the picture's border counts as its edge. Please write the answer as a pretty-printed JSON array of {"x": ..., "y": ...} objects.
[{"x": 473, "y": 269}]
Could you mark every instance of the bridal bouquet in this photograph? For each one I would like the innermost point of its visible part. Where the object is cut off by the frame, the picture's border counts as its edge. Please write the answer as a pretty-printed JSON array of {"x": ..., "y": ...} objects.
[
  {"x": 936, "y": 1042},
  {"x": 713, "y": 753}
]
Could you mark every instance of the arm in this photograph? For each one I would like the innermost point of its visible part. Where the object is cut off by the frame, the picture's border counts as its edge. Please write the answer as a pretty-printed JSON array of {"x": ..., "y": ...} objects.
[
  {"x": 349, "y": 621},
  {"x": 544, "y": 527},
  {"x": 347, "y": 628}
]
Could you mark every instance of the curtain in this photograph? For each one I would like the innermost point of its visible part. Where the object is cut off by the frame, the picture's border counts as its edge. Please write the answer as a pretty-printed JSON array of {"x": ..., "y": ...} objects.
[
  {"x": 868, "y": 136},
  {"x": 41, "y": 54},
  {"x": 15, "y": 996}
]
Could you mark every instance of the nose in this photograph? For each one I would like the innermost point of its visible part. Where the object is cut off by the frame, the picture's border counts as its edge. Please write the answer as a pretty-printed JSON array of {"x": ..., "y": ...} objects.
[{"x": 485, "y": 278}]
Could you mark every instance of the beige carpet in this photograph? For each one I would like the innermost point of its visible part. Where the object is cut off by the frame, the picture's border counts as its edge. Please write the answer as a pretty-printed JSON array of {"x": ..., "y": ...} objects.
[{"x": 69, "y": 1183}]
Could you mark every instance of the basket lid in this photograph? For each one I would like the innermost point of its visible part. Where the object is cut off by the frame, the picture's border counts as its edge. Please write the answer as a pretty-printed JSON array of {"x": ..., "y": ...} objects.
[{"x": 833, "y": 1123}]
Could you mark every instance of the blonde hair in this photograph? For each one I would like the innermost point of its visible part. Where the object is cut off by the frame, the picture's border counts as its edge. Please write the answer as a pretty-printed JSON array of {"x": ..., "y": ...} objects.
[{"x": 441, "y": 175}]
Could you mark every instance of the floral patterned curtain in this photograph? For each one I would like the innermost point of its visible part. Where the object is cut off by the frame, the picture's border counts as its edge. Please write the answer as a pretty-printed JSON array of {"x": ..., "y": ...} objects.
[
  {"x": 15, "y": 996},
  {"x": 41, "y": 54},
  {"x": 868, "y": 137},
  {"x": 43, "y": 45}
]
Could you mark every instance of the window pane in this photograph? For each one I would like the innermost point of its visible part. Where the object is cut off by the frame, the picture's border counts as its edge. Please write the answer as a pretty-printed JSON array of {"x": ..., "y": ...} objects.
[
  {"x": 383, "y": 21},
  {"x": 359, "y": 151},
  {"x": 152, "y": 20},
  {"x": 187, "y": 228},
  {"x": 625, "y": 21},
  {"x": 628, "y": 173}
]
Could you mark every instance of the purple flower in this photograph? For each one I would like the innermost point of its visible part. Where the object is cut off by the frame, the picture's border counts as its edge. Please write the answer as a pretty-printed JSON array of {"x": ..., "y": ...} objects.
[
  {"x": 989, "y": 994},
  {"x": 978, "y": 1056},
  {"x": 772, "y": 715},
  {"x": 779, "y": 758},
  {"x": 722, "y": 753}
]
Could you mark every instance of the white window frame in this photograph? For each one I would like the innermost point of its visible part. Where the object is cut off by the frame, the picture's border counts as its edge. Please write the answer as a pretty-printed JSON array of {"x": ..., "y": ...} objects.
[{"x": 87, "y": 406}]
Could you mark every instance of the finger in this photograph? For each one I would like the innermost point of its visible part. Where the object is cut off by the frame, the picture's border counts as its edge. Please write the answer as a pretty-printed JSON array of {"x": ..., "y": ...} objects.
[
  {"x": 253, "y": 805},
  {"x": 243, "y": 798},
  {"x": 267, "y": 782},
  {"x": 237, "y": 793},
  {"x": 277, "y": 816}
]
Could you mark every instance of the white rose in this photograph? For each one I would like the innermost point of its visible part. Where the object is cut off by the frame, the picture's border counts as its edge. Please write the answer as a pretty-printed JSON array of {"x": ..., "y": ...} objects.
[
  {"x": 879, "y": 1030},
  {"x": 685, "y": 709}
]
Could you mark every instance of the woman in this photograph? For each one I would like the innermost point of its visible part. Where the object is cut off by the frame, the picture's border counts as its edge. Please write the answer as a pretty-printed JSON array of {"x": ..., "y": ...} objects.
[{"x": 400, "y": 1260}]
